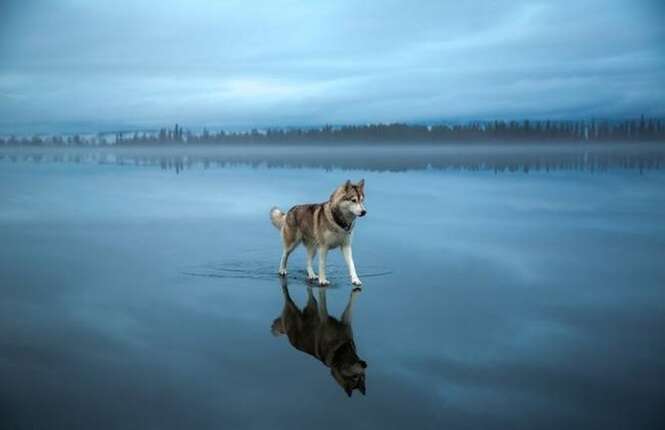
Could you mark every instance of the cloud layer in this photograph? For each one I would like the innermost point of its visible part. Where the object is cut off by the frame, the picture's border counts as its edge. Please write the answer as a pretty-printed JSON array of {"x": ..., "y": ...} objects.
[{"x": 73, "y": 63}]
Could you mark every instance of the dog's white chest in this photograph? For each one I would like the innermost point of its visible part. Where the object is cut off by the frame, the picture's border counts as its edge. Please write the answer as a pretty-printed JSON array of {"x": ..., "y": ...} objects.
[{"x": 334, "y": 239}]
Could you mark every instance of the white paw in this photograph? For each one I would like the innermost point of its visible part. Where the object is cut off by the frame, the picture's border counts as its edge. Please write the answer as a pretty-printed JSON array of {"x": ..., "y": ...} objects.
[
  {"x": 312, "y": 277},
  {"x": 281, "y": 272},
  {"x": 356, "y": 282},
  {"x": 323, "y": 282}
]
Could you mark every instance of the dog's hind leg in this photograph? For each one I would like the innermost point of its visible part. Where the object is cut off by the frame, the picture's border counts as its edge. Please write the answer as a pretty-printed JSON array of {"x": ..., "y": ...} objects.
[
  {"x": 290, "y": 241},
  {"x": 311, "y": 252},
  {"x": 285, "y": 259},
  {"x": 310, "y": 310}
]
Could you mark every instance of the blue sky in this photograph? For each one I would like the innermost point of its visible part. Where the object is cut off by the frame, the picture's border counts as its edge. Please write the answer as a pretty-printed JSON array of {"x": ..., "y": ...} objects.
[{"x": 78, "y": 64}]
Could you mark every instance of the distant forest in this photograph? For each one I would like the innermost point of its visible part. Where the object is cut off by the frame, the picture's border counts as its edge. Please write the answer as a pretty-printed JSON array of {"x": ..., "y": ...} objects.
[{"x": 640, "y": 129}]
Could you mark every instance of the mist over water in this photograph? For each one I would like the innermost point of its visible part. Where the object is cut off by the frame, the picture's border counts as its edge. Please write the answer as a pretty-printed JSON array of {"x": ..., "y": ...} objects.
[
  {"x": 498, "y": 157},
  {"x": 136, "y": 297}
]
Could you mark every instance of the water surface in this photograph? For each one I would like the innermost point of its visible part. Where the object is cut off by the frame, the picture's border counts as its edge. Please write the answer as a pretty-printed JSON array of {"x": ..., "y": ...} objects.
[{"x": 133, "y": 297}]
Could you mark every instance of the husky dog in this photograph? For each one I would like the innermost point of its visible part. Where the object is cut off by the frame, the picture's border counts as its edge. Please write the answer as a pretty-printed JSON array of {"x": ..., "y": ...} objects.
[
  {"x": 313, "y": 331},
  {"x": 322, "y": 226}
]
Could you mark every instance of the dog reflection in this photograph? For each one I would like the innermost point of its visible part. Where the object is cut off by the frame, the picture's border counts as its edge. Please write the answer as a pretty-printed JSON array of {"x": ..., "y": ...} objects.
[{"x": 313, "y": 331}]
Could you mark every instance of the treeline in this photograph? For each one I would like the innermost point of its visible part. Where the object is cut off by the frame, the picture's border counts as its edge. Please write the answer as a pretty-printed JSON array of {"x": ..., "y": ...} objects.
[{"x": 640, "y": 129}]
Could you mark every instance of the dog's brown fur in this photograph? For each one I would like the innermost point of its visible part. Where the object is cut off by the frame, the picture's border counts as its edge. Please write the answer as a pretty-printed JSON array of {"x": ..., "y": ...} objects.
[
  {"x": 330, "y": 340},
  {"x": 322, "y": 226}
]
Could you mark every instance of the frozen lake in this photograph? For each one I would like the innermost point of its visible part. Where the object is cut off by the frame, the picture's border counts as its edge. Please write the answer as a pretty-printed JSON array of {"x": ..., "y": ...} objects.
[{"x": 135, "y": 297}]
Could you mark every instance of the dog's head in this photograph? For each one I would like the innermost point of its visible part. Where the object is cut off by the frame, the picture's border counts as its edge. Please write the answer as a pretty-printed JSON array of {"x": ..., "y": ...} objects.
[
  {"x": 350, "y": 198},
  {"x": 350, "y": 376}
]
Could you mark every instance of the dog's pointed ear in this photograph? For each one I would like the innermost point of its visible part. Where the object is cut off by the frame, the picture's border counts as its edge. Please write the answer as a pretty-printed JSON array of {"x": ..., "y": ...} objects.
[
  {"x": 361, "y": 184},
  {"x": 361, "y": 387},
  {"x": 277, "y": 328},
  {"x": 348, "y": 390},
  {"x": 347, "y": 185}
]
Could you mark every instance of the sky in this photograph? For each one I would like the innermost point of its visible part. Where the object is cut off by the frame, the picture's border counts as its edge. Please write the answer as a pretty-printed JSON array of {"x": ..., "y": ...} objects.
[{"x": 72, "y": 65}]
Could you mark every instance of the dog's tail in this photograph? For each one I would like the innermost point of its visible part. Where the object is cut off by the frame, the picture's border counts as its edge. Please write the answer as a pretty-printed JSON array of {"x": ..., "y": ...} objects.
[{"x": 277, "y": 217}]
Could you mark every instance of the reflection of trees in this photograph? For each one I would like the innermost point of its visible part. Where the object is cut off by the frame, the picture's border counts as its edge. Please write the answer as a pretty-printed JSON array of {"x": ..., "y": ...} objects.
[
  {"x": 497, "y": 158},
  {"x": 642, "y": 129}
]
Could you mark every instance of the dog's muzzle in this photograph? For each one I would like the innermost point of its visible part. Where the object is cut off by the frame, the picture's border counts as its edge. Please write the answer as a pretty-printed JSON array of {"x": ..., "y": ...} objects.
[{"x": 363, "y": 212}]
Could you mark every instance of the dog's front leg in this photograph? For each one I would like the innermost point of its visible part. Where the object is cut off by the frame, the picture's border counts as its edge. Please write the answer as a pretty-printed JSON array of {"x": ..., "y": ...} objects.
[
  {"x": 323, "y": 305},
  {"x": 323, "y": 253},
  {"x": 346, "y": 315},
  {"x": 348, "y": 257}
]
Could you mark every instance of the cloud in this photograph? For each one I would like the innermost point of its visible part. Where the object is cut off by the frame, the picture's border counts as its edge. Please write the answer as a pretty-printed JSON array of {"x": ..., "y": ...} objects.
[{"x": 241, "y": 64}]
